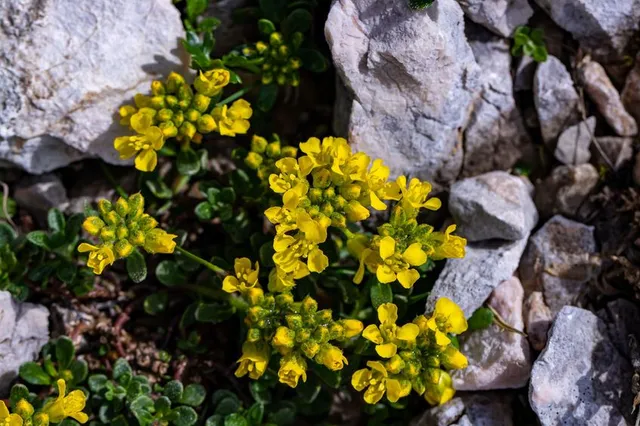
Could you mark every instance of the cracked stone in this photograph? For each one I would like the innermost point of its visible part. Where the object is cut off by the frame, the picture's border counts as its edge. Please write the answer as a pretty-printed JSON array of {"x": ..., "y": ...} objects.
[
  {"x": 500, "y": 16},
  {"x": 573, "y": 143}
]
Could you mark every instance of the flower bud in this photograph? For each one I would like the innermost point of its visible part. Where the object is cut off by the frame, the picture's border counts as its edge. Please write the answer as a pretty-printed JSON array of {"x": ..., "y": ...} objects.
[
  {"x": 185, "y": 93},
  {"x": 308, "y": 305},
  {"x": 261, "y": 46},
  {"x": 174, "y": 82},
  {"x": 284, "y": 51},
  {"x": 267, "y": 78},
  {"x": 289, "y": 151},
  {"x": 284, "y": 300},
  {"x": 112, "y": 218},
  {"x": 93, "y": 225},
  {"x": 321, "y": 178},
  {"x": 274, "y": 150},
  {"x": 122, "y": 207},
  {"x": 324, "y": 316},
  {"x": 395, "y": 364},
  {"x": 108, "y": 233},
  {"x": 122, "y": 232},
  {"x": 352, "y": 327},
  {"x": 294, "y": 321},
  {"x": 192, "y": 115},
  {"x": 254, "y": 295},
  {"x": 283, "y": 339},
  {"x": 254, "y": 335},
  {"x": 310, "y": 348},
  {"x": 315, "y": 195},
  {"x": 104, "y": 207},
  {"x": 171, "y": 101},
  {"x": 41, "y": 419},
  {"x": 24, "y": 409},
  {"x": 157, "y": 102},
  {"x": 201, "y": 102},
  {"x": 338, "y": 220},
  {"x": 123, "y": 248},
  {"x": 336, "y": 331},
  {"x": 147, "y": 222},
  {"x": 326, "y": 209},
  {"x": 253, "y": 160},
  {"x": 294, "y": 63},
  {"x": 321, "y": 334},
  {"x": 142, "y": 101},
  {"x": 187, "y": 130},
  {"x": 164, "y": 114},
  {"x": 255, "y": 313},
  {"x": 178, "y": 118},
  {"x": 157, "y": 88},
  {"x": 276, "y": 38},
  {"x": 136, "y": 205},
  {"x": 294, "y": 79},
  {"x": 331, "y": 357},
  {"x": 206, "y": 124},
  {"x": 281, "y": 79},
  {"x": 438, "y": 386},
  {"x": 136, "y": 238},
  {"x": 169, "y": 130}
]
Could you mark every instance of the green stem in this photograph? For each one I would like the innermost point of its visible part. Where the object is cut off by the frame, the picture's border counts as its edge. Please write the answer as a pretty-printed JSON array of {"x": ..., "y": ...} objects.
[
  {"x": 235, "y": 96},
  {"x": 239, "y": 303},
  {"x": 113, "y": 182},
  {"x": 201, "y": 261}
]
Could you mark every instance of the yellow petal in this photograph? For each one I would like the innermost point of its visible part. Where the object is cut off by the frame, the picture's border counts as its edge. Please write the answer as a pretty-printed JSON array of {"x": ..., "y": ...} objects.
[
  {"x": 387, "y": 350},
  {"x": 80, "y": 417},
  {"x": 387, "y": 247},
  {"x": 317, "y": 261},
  {"x": 433, "y": 204},
  {"x": 372, "y": 333},
  {"x": 408, "y": 277},
  {"x": 397, "y": 390},
  {"x": 385, "y": 274},
  {"x": 146, "y": 160},
  {"x": 360, "y": 379},
  {"x": 387, "y": 313},
  {"x": 124, "y": 147},
  {"x": 455, "y": 320},
  {"x": 241, "y": 265},
  {"x": 373, "y": 394},
  {"x": 378, "y": 367},
  {"x": 452, "y": 358},
  {"x": 84, "y": 247},
  {"x": 376, "y": 203},
  {"x": 155, "y": 136},
  {"x": 408, "y": 332},
  {"x": 230, "y": 284},
  {"x": 4, "y": 411},
  {"x": 140, "y": 122},
  {"x": 414, "y": 255}
]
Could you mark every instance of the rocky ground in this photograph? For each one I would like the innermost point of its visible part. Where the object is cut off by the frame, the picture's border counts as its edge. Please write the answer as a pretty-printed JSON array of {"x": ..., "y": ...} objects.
[{"x": 539, "y": 163}]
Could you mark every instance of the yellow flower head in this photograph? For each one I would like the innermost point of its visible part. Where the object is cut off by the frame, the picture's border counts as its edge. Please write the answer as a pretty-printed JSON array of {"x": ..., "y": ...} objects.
[
  {"x": 159, "y": 241},
  {"x": 352, "y": 327},
  {"x": 254, "y": 360},
  {"x": 331, "y": 357},
  {"x": 284, "y": 340},
  {"x": 376, "y": 380},
  {"x": 245, "y": 277},
  {"x": 66, "y": 405},
  {"x": 450, "y": 247},
  {"x": 233, "y": 120},
  {"x": 389, "y": 335},
  {"x": 210, "y": 83},
  {"x": 99, "y": 257},
  {"x": 448, "y": 317},
  {"x": 281, "y": 281},
  {"x": 439, "y": 387},
  {"x": 145, "y": 144},
  {"x": 453, "y": 359},
  {"x": 396, "y": 265},
  {"x": 292, "y": 368},
  {"x": 416, "y": 196},
  {"x": 7, "y": 419}
]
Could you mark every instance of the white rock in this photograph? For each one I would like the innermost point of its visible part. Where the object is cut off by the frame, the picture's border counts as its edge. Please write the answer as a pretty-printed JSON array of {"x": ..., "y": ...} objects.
[
  {"x": 498, "y": 359},
  {"x": 618, "y": 151},
  {"x": 565, "y": 190},
  {"x": 24, "y": 330},
  {"x": 479, "y": 409},
  {"x": 68, "y": 66},
  {"x": 580, "y": 379},
  {"x": 555, "y": 98},
  {"x": 573, "y": 143},
  {"x": 537, "y": 319},
  {"x": 500, "y": 16},
  {"x": 469, "y": 281},
  {"x": 492, "y": 205},
  {"x": 411, "y": 75}
]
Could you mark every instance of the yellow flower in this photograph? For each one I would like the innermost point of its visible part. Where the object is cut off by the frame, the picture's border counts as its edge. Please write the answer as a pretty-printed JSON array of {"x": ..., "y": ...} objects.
[
  {"x": 439, "y": 387},
  {"x": 332, "y": 151},
  {"x": 450, "y": 247},
  {"x": 389, "y": 335},
  {"x": 245, "y": 277},
  {"x": 93, "y": 225},
  {"x": 416, "y": 196},
  {"x": 378, "y": 185},
  {"x": 145, "y": 144},
  {"x": 159, "y": 241},
  {"x": 396, "y": 265},
  {"x": 284, "y": 339},
  {"x": 7, "y": 419},
  {"x": 331, "y": 357},
  {"x": 99, "y": 257},
  {"x": 66, "y": 405},
  {"x": 291, "y": 250},
  {"x": 254, "y": 360},
  {"x": 352, "y": 327},
  {"x": 447, "y": 318},
  {"x": 126, "y": 111},
  {"x": 292, "y": 368},
  {"x": 453, "y": 359},
  {"x": 377, "y": 381},
  {"x": 280, "y": 281},
  {"x": 211, "y": 82},
  {"x": 291, "y": 182},
  {"x": 233, "y": 120}
]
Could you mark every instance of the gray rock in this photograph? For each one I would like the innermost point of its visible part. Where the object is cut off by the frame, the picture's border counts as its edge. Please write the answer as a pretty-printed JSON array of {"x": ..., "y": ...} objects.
[
  {"x": 555, "y": 98},
  {"x": 480, "y": 409},
  {"x": 498, "y": 359},
  {"x": 580, "y": 379},
  {"x": 573, "y": 143},
  {"x": 537, "y": 319},
  {"x": 525, "y": 73},
  {"x": 622, "y": 318},
  {"x": 565, "y": 189},
  {"x": 558, "y": 261},
  {"x": 67, "y": 67},
  {"x": 443, "y": 415},
  {"x": 631, "y": 91},
  {"x": 409, "y": 102},
  {"x": 602, "y": 27},
  {"x": 495, "y": 135},
  {"x": 24, "y": 330},
  {"x": 493, "y": 205},
  {"x": 469, "y": 281},
  {"x": 500, "y": 16},
  {"x": 38, "y": 194},
  {"x": 618, "y": 151},
  {"x": 606, "y": 97}
]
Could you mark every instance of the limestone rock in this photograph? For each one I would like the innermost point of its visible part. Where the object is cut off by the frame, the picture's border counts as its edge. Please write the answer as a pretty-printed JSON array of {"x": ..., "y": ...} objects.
[
  {"x": 24, "y": 330},
  {"x": 492, "y": 205},
  {"x": 478, "y": 409},
  {"x": 38, "y": 194},
  {"x": 558, "y": 261},
  {"x": 495, "y": 135},
  {"x": 580, "y": 379},
  {"x": 525, "y": 73},
  {"x": 409, "y": 101},
  {"x": 469, "y": 281},
  {"x": 618, "y": 151},
  {"x": 573, "y": 143},
  {"x": 602, "y": 92},
  {"x": 67, "y": 67},
  {"x": 555, "y": 98},
  {"x": 565, "y": 189},
  {"x": 537, "y": 320},
  {"x": 631, "y": 91},
  {"x": 498, "y": 359},
  {"x": 500, "y": 16}
]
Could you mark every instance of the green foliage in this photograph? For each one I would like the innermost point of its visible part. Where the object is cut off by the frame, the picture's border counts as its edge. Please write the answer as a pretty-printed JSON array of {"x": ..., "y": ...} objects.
[
  {"x": 58, "y": 362},
  {"x": 530, "y": 42},
  {"x": 482, "y": 318},
  {"x": 229, "y": 411},
  {"x": 420, "y": 4}
]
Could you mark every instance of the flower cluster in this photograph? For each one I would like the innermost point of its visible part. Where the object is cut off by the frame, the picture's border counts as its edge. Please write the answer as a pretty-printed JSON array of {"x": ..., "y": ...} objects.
[
  {"x": 328, "y": 186},
  {"x": 278, "y": 59},
  {"x": 244, "y": 279},
  {"x": 412, "y": 356},
  {"x": 264, "y": 154},
  {"x": 121, "y": 227},
  {"x": 295, "y": 331},
  {"x": 54, "y": 411},
  {"x": 175, "y": 110}
]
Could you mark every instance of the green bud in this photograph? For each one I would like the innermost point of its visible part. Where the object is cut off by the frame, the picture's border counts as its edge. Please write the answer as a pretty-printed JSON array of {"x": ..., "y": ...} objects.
[
  {"x": 108, "y": 233},
  {"x": 104, "y": 207},
  {"x": 310, "y": 349},
  {"x": 187, "y": 129},
  {"x": 253, "y": 160},
  {"x": 171, "y": 101},
  {"x": 136, "y": 238},
  {"x": 185, "y": 93},
  {"x": 164, "y": 114},
  {"x": 41, "y": 419},
  {"x": 289, "y": 151},
  {"x": 122, "y": 207},
  {"x": 201, "y": 102},
  {"x": 157, "y": 102},
  {"x": 192, "y": 115},
  {"x": 122, "y": 232},
  {"x": 123, "y": 248},
  {"x": 147, "y": 222},
  {"x": 24, "y": 409},
  {"x": 284, "y": 51},
  {"x": 157, "y": 88},
  {"x": 321, "y": 178},
  {"x": 336, "y": 331},
  {"x": 169, "y": 130},
  {"x": 321, "y": 334},
  {"x": 174, "y": 82},
  {"x": 315, "y": 195},
  {"x": 338, "y": 220},
  {"x": 112, "y": 218},
  {"x": 324, "y": 316},
  {"x": 294, "y": 321},
  {"x": 136, "y": 205},
  {"x": 258, "y": 144},
  {"x": 254, "y": 335},
  {"x": 273, "y": 149},
  {"x": 178, "y": 118}
]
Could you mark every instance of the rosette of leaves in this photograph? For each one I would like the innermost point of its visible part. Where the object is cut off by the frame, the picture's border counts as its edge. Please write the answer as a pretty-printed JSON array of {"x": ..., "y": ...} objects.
[
  {"x": 58, "y": 362},
  {"x": 220, "y": 204},
  {"x": 530, "y": 42},
  {"x": 12, "y": 269},
  {"x": 229, "y": 411}
]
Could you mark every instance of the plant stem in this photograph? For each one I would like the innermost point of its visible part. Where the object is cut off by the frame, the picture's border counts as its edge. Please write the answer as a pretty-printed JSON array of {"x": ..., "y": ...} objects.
[
  {"x": 201, "y": 261},
  {"x": 113, "y": 182},
  {"x": 235, "y": 96}
]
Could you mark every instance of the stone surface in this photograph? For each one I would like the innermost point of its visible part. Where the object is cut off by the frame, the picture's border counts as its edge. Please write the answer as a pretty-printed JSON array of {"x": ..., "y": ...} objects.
[
  {"x": 580, "y": 379},
  {"x": 38, "y": 194},
  {"x": 602, "y": 27},
  {"x": 618, "y": 151},
  {"x": 67, "y": 67},
  {"x": 409, "y": 102},
  {"x": 558, "y": 261},
  {"x": 500, "y": 16},
  {"x": 555, "y": 98},
  {"x": 622, "y": 318},
  {"x": 573, "y": 143},
  {"x": 24, "y": 330},
  {"x": 537, "y": 319},
  {"x": 480, "y": 409},
  {"x": 495, "y": 135},
  {"x": 470, "y": 280},
  {"x": 492, "y": 205},
  {"x": 498, "y": 359},
  {"x": 606, "y": 97},
  {"x": 631, "y": 91},
  {"x": 525, "y": 73},
  {"x": 565, "y": 189}
]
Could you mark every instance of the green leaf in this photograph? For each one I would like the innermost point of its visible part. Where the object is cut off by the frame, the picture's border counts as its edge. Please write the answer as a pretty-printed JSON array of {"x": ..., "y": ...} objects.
[
  {"x": 254, "y": 414},
  {"x": 142, "y": 407},
  {"x": 266, "y": 27},
  {"x": 79, "y": 369},
  {"x": 221, "y": 394},
  {"x": 66, "y": 272},
  {"x": 312, "y": 60},
  {"x": 74, "y": 226},
  {"x": 235, "y": 419},
  {"x": 227, "y": 195},
  {"x": 39, "y": 238},
  {"x": 170, "y": 274},
  {"x": 193, "y": 395},
  {"x": 215, "y": 420},
  {"x": 204, "y": 211},
  {"x": 162, "y": 405},
  {"x": 214, "y": 313},
  {"x": 260, "y": 391},
  {"x": 156, "y": 303},
  {"x": 482, "y": 318},
  {"x": 65, "y": 352},
  {"x": 188, "y": 162},
  {"x": 420, "y": 4},
  {"x": 136, "y": 267},
  {"x": 55, "y": 220},
  {"x": 97, "y": 382},
  {"x": 331, "y": 378},
  {"x": 266, "y": 253},
  {"x": 196, "y": 8},
  {"x": 273, "y": 10},
  {"x": 298, "y": 21},
  {"x": 380, "y": 293},
  {"x": 228, "y": 406},
  {"x": 120, "y": 368},
  {"x": 7, "y": 234},
  {"x": 267, "y": 97},
  {"x": 173, "y": 390},
  {"x": 33, "y": 373},
  {"x": 159, "y": 189},
  {"x": 18, "y": 392},
  {"x": 183, "y": 416},
  {"x": 285, "y": 415}
]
